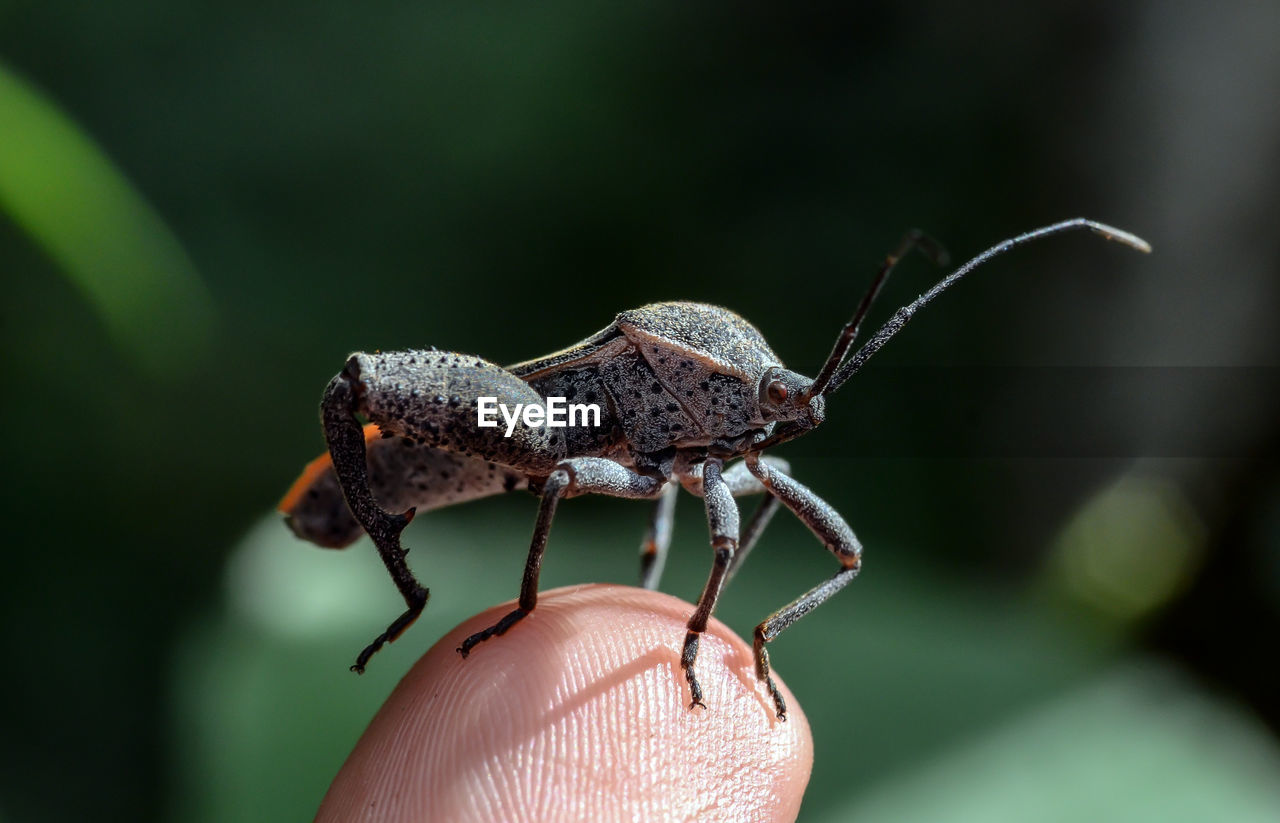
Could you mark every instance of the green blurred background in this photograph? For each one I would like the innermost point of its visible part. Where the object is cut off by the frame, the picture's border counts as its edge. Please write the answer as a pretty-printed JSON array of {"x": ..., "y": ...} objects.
[{"x": 1064, "y": 472}]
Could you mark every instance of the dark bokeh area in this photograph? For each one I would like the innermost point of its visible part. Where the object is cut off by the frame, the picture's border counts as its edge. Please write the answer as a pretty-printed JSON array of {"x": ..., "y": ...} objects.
[{"x": 1064, "y": 471}]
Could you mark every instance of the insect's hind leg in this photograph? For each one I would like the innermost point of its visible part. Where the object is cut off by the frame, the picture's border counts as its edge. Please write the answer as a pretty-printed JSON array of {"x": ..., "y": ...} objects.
[
  {"x": 430, "y": 397},
  {"x": 582, "y": 475},
  {"x": 345, "y": 437}
]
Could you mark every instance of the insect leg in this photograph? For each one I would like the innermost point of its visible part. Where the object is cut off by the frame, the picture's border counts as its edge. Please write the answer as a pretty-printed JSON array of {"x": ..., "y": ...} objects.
[
  {"x": 583, "y": 475},
  {"x": 829, "y": 527},
  {"x": 345, "y": 437},
  {"x": 653, "y": 550},
  {"x": 430, "y": 397},
  {"x": 742, "y": 482},
  {"x": 722, "y": 518}
]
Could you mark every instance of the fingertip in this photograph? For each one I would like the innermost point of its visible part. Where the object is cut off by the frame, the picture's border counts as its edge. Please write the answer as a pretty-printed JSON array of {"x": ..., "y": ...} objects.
[{"x": 580, "y": 711}]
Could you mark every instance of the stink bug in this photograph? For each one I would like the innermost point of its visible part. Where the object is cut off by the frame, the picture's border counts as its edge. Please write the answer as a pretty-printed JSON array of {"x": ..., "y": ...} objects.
[{"x": 685, "y": 388}]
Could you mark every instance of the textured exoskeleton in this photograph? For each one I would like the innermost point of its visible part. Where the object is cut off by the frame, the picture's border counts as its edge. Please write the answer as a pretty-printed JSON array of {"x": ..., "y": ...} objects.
[{"x": 684, "y": 389}]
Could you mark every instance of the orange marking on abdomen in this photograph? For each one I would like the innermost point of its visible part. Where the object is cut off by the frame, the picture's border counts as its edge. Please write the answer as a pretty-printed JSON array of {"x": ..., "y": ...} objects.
[{"x": 314, "y": 470}]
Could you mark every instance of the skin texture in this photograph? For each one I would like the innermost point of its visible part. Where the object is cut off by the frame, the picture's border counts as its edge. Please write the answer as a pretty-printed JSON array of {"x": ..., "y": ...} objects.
[{"x": 579, "y": 713}]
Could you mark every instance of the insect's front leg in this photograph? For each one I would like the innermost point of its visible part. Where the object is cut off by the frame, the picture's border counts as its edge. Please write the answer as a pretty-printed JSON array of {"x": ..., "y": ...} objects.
[
  {"x": 431, "y": 398},
  {"x": 722, "y": 518},
  {"x": 582, "y": 475},
  {"x": 742, "y": 482},
  {"x": 829, "y": 527}
]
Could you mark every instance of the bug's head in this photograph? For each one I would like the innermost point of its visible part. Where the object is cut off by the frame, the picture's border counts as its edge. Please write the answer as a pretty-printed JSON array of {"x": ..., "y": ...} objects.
[{"x": 786, "y": 397}]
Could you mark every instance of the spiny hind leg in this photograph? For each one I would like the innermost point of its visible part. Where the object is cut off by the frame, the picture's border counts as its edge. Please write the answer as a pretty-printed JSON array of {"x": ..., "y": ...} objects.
[
  {"x": 430, "y": 398},
  {"x": 346, "y": 442}
]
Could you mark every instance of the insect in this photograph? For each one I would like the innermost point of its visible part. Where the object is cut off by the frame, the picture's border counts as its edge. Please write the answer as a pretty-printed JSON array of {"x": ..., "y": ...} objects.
[{"x": 685, "y": 389}]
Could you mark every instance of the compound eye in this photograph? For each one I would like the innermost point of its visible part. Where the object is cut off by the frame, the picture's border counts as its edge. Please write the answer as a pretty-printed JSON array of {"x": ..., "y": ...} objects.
[{"x": 777, "y": 392}]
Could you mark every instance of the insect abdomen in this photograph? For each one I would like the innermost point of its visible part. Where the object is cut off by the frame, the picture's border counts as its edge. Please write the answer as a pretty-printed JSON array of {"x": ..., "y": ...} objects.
[{"x": 402, "y": 475}]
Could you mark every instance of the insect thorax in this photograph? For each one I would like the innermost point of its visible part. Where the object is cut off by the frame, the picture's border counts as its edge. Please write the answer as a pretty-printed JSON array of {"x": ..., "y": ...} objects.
[{"x": 681, "y": 402}]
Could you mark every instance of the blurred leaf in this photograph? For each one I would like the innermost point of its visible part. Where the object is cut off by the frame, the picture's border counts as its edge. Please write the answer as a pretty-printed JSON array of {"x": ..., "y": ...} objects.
[
  {"x": 1140, "y": 744},
  {"x": 1131, "y": 548},
  {"x": 66, "y": 194}
]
